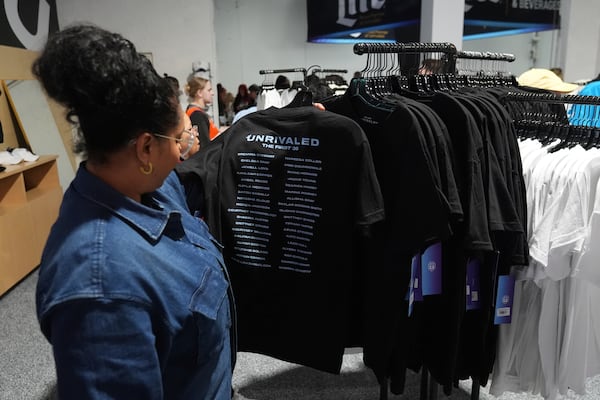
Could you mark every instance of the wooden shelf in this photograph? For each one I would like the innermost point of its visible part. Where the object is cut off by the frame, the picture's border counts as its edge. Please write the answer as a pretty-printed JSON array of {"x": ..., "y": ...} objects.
[{"x": 30, "y": 196}]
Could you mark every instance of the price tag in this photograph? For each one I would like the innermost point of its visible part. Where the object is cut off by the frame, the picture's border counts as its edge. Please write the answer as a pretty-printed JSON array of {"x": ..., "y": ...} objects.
[
  {"x": 473, "y": 284},
  {"x": 504, "y": 299},
  {"x": 431, "y": 270}
]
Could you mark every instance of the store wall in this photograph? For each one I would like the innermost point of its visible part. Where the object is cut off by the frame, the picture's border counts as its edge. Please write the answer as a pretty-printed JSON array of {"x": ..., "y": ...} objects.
[
  {"x": 176, "y": 33},
  {"x": 579, "y": 50},
  {"x": 269, "y": 34},
  {"x": 530, "y": 49},
  {"x": 240, "y": 37}
]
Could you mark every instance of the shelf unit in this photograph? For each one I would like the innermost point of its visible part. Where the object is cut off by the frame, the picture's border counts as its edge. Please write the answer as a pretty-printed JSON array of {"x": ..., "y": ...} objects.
[{"x": 30, "y": 196}]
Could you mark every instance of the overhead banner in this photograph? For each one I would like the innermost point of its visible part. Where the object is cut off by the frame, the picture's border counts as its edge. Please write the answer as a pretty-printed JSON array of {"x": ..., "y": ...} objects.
[
  {"x": 486, "y": 18},
  {"x": 346, "y": 21},
  {"x": 27, "y": 23},
  {"x": 333, "y": 21}
]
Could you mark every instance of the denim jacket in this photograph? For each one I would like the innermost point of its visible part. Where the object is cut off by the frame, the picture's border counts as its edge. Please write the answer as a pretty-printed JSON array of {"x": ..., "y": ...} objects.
[{"x": 133, "y": 297}]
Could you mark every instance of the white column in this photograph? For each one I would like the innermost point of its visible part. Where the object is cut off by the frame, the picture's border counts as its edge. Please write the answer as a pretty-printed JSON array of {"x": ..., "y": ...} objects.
[{"x": 442, "y": 21}]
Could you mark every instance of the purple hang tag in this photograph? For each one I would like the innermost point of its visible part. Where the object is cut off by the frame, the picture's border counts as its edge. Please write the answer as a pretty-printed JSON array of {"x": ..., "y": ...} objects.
[
  {"x": 473, "y": 284},
  {"x": 431, "y": 270},
  {"x": 504, "y": 300}
]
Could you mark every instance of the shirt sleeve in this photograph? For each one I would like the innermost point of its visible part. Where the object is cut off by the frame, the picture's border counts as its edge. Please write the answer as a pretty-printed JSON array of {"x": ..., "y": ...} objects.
[{"x": 104, "y": 349}]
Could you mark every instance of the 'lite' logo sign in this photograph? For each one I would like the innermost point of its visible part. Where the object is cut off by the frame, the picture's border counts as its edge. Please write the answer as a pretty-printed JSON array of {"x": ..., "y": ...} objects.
[
  {"x": 348, "y": 10},
  {"x": 27, "y": 23}
]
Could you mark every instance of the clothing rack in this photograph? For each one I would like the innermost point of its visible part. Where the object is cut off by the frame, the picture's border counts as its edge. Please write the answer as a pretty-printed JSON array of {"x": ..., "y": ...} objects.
[
  {"x": 281, "y": 71},
  {"x": 484, "y": 68},
  {"x": 380, "y": 68},
  {"x": 552, "y": 98},
  {"x": 570, "y": 121},
  {"x": 304, "y": 97},
  {"x": 326, "y": 82},
  {"x": 574, "y": 119},
  {"x": 447, "y": 49},
  {"x": 428, "y": 386},
  {"x": 329, "y": 71},
  {"x": 485, "y": 55},
  {"x": 301, "y": 70},
  {"x": 411, "y": 47},
  {"x": 271, "y": 85}
]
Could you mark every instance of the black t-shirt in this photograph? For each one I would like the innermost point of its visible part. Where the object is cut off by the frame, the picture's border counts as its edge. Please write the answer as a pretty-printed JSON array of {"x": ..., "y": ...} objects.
[
  {"x": 470, "y": 162},
  {"x": 417, "y": 214},
  {"x": 296, "y": 189}
]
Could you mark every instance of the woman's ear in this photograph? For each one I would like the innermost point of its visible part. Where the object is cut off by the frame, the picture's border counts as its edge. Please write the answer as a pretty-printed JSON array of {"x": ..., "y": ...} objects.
[{"x": 143, "y": 146}]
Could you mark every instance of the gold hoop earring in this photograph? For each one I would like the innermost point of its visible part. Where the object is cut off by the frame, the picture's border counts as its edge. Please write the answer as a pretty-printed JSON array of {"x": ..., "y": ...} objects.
[{"x": 147, "y": 171}]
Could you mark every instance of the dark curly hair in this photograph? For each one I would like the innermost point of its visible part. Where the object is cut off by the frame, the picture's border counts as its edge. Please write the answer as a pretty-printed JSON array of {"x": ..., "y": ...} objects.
[{"x": 111, "y": 92}]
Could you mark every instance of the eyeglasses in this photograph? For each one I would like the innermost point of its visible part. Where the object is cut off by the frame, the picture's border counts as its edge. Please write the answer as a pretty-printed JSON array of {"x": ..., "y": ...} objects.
[{"x": 185, "y": 143}]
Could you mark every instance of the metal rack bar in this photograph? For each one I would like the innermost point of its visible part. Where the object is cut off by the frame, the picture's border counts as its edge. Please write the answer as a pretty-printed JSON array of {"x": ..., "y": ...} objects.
[
  {"x": 332, "y": 71},
  {"x": 281, "y": 71},
  {"x": 485, "y": 55},
  {"x": 552, "y": 98},
  {"x": 410, "y": 47}
]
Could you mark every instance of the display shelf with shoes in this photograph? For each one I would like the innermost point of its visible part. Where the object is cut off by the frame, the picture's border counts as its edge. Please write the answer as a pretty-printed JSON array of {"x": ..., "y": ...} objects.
[{"x": 30, "y": 196}]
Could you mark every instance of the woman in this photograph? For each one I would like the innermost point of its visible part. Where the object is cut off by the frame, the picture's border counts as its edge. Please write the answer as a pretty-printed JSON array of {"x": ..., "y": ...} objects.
[
  {"x": 201, "y": 94},
  {"x": 132, "y": 293},
  {"x": 242, "y": 99}
]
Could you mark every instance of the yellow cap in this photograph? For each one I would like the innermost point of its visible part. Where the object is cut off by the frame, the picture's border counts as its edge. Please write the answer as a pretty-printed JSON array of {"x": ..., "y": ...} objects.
[{"x": 542, "y": 78}]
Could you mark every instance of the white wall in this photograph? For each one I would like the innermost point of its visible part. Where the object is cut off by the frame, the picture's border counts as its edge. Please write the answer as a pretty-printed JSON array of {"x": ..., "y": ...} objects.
[
  {"x": 240, "y": 37},
  {"x": 177, "y": 32},
  {"x": 580, "y": 38},
  {"x": 271, "y": 34},
  {"x": 530, "y": 49}
]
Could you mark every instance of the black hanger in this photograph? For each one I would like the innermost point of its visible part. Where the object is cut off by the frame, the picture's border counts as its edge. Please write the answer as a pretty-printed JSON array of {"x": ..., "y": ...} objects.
[
  {"x": 298, "y": 85},
  {"x": 303, "y": 98}
]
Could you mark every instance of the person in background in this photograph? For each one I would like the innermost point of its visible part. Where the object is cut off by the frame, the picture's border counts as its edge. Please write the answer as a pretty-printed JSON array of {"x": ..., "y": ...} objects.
[
  {"x": 586, "y": 114},
  {"x": 200, "y": 93},
  {"x": 242, "y": 99},
  {"x": 224, "y": 107},
  {"x": 541, "y": 78},
  {"x": 175, "y": 82},
  {"x": 431, "y": 66},
  {"x": 253, "y": 92},
  {"x": 558, "y": 71},
  {"x": 132, "y": 293}
]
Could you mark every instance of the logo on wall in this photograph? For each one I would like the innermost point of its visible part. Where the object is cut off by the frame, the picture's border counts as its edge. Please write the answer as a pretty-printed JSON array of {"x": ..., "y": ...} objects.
[
  {"x": 27, "y": 23},
  {"x": 348, "y": 10}
]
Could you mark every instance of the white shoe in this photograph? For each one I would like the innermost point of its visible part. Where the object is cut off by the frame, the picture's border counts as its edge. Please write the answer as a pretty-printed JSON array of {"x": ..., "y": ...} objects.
[
  {"x": 7, "y": 158},
  {"x": 25, "y": 154}
]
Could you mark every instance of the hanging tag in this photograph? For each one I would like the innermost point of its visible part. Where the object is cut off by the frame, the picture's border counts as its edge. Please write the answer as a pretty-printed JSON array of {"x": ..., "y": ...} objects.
[
  {"x": 417, "y": 289},
  {"x": 431, "y": 270},
  {"x": 504, "y": 300},
  {"x": 473, "y": 284},
  {"x": 491, "y": 261},
  {"x": 414, "y": 289}
]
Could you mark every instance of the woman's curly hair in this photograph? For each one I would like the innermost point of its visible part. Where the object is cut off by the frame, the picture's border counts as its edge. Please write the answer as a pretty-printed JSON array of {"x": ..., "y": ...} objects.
[{"x": 111, "y": 91}]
